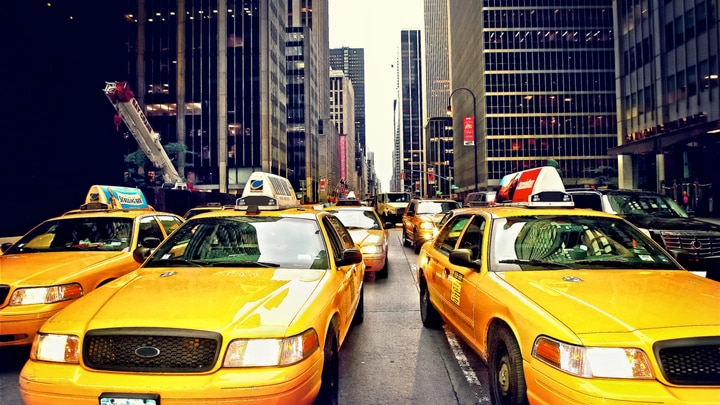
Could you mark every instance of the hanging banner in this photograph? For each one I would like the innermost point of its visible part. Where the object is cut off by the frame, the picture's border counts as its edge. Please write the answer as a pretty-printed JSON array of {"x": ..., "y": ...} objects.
[{"x": 469, "y": 131}]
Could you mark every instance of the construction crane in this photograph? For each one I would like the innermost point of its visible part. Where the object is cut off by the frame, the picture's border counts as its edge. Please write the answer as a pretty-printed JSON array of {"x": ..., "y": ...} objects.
[{"x": 129, "y": 111}]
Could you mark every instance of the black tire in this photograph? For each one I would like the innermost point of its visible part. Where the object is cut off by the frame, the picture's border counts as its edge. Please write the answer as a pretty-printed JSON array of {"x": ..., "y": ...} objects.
[
  {"x": 428, "y": 314},
  {"x": 330, "y": 386},
  {"x": 505, "y": 369},
  {"x": 416, "y": 244},
  {"x": 383, "y": 273},
  {"x": 359, "y": 316}
]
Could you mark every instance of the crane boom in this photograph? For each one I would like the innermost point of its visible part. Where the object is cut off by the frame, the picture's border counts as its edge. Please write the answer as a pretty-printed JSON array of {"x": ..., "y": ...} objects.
[{"x": 127, "y": 107}]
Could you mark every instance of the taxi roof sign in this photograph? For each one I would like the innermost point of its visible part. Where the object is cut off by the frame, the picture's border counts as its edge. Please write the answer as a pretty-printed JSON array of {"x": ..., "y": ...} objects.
[
  {"x": 538, "y": 187},
  {"x": 267, "y": 191},
  {"x": 115, "y": 197}
]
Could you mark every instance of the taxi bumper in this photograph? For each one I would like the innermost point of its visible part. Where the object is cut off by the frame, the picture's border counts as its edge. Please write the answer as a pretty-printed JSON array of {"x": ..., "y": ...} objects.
[
  {"x": 56, "y": 383},
  {"x": 374, "y": 262},
  {"x": 551, "y": 387},
  {"x": 20, "y": 329}
]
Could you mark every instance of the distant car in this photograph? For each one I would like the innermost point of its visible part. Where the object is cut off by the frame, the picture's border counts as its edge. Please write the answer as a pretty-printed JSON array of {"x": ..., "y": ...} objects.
[
  {"x": 480, "y": 199},
  {"x": 421, "y": 218},
  {"x": 571, "y": 306},
  {"x": 66, "y": 257},
  {"x": 390, "y": 206},
  {"x": 367, "y": 231},
  {"x": 202, "y": 209},
  {"x": 664, "y": 220},
  {"x": 248, "y": 305}
]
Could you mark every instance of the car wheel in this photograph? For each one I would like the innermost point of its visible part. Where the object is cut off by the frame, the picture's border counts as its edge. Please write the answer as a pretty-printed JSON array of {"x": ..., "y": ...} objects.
[
  {"x": 416, "y": 244},
  {"x": 359, "y": 316},
  {"x": 329, "y": 387},
  {"x": 429, "y": 315},
  {"x": 507, "y": 381},
  {"x": 383, "y": 273}
]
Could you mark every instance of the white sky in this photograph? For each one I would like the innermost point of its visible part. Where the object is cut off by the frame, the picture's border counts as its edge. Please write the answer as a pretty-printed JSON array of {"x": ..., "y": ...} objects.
[{"x": 375, "y": 26}]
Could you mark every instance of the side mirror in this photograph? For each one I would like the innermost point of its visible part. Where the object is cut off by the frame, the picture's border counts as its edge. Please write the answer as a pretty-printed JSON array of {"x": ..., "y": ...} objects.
[
  {"x": 682, "y": 256},
  {"x": 141, "y": 253},
  {"x": 350, "y": 256},
  {"x": 461, "y": 257}
]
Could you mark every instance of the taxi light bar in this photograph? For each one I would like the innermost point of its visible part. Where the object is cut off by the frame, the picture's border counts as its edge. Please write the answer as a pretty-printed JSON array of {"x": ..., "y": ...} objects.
[
  {"x": 538, "y": 187},
  {"x": 267, "y": 191}
]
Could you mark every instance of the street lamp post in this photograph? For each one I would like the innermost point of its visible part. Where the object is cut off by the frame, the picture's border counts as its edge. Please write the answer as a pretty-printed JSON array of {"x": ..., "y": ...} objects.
[{"x": 449, "y": 111}]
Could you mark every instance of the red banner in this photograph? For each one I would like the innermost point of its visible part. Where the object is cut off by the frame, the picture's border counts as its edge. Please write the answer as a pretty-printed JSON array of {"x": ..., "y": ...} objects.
[{"x": 468, "y": 131}]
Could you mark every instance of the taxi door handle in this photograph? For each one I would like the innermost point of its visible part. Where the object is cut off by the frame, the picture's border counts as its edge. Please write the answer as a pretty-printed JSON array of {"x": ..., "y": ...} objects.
[{"x": 447, "y": 272}]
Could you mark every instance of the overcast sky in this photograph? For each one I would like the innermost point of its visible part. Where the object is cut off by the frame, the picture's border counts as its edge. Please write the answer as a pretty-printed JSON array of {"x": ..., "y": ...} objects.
[{"x": 375, "y": 26}]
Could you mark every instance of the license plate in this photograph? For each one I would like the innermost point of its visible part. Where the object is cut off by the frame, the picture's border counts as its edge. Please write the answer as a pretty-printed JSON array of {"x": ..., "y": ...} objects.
[{"x": 113, "y": 398}]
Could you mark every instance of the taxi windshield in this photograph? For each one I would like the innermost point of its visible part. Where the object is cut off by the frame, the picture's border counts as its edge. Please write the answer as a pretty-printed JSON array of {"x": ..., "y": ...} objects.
[
  {"x": 436, "y": 207},
  {"x": 358, "y": 219},
  {"x": 546, "y": 242},
  {"x": 76, "y": 234},
  {"x": 248, "y": 241}
]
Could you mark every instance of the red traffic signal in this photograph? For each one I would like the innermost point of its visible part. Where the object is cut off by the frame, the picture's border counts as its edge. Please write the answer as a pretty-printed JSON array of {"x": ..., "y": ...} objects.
[{"x": 431, "y": 175}]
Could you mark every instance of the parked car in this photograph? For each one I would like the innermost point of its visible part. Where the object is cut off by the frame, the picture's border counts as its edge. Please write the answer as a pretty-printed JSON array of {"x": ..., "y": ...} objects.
[
  {"x": 571, "y": 306},
  {"x": 480, "y": 199},
  {"x": 369, "y": 232},
  {"x": 664, "y": 220},
  {"x": 248, "y": 305},
  {"x": 421, "y": 218},
  {"x": 66, "y": 257}
]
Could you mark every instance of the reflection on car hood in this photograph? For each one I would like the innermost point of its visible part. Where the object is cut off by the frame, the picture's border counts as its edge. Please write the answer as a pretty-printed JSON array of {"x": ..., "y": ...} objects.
[
  {"x": 436, "y": 218},
  {"x": 48, "y": 268},
  {"x": 621, "y": 300},
  {"x": 360, "y": 235},
  {"x": 671, "y": 224},
  {"x": 260, "y": 301}
]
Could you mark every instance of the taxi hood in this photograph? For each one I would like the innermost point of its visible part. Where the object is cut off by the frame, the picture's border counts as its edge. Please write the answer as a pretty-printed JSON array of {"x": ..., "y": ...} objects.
[
  {"x": 48, "y": 268},
  {"x": 434, "y": 218},
  {"x": 261, "y": 301},
  {"x": 620, "y": 300}
]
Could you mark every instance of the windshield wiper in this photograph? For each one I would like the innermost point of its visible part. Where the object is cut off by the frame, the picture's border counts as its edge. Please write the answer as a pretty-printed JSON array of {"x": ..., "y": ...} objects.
[
  {"x": 535, "y": 262},
  {"x": 242, "y": 263}
]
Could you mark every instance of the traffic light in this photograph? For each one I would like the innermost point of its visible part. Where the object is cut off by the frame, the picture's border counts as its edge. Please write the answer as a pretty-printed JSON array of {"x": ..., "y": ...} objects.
[{"x": 431, "y": 175}]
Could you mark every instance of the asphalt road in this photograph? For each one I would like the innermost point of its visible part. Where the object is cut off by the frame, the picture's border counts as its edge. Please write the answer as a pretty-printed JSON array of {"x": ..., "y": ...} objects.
[{"x": 388, "y": 359}]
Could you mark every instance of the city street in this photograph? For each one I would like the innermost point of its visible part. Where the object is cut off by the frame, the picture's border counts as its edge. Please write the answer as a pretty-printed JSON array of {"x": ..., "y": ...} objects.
[{"x": 388, "y": 359}]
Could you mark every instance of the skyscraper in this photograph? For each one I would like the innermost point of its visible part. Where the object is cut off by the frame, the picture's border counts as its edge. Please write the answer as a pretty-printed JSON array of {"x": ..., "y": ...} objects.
[
  {"x": 544, "y": 77},
  {"x": 411, "y": 115},
  {"x": 351, "y": 61}
]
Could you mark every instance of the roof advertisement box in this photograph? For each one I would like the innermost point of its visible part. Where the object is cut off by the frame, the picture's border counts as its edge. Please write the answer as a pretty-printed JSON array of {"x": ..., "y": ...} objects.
[
  {"x": 117, "y": 197},
  {"x": 538, "y": 186}
]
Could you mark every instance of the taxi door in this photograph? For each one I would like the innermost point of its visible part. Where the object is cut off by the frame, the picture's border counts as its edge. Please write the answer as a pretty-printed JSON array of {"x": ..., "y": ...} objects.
[
  {"x": 462, "y": 288},
  {"x": 352, "y": 275},
  {"x": 437, "y": 267}
]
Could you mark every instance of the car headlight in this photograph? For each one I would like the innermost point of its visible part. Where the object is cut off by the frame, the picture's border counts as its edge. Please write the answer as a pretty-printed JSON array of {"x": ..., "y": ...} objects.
[
  {"x": 271, "y": 352},
  {"x": 427, "y": 225},
  {"x": 593, "y": 362},
  {"x": 46, "y": 295},
  {"x": 55, "y": 348}
]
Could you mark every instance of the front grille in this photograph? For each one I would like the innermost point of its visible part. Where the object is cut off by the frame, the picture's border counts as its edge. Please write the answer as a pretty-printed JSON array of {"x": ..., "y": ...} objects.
[
  {"x": 151, "y": 350},
  {"x": 4, "y": 291},
  {"x": 698, "y": 244},
  {"x": 690, "y": 361}
]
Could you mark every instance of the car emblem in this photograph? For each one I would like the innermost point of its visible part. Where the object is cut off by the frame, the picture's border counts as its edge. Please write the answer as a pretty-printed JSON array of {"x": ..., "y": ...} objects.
[
  {"x": 696, "y": 244},
  {"x": 572, "y": 279},
  {"x": 147, "y": 352}
]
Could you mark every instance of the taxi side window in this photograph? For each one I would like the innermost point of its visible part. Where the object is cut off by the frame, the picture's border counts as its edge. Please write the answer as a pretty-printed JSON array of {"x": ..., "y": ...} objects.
[
  {"x": 149, "y": 228},
  {"x": 345, "y": 238},
  {"x": 169, "y": 223},
  {"x": 473, "y": 237},
  {"x": 448, "y": 237},
  {"x": 410, "y": 211}
]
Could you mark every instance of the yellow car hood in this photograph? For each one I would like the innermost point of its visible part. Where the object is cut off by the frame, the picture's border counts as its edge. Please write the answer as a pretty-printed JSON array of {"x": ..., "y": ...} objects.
[
  {"x": 620, "y": 300},
  {"x": 33, "y": 269},
  {"x": 220, "y": 299},
  {"x": 360, "y": 235}
]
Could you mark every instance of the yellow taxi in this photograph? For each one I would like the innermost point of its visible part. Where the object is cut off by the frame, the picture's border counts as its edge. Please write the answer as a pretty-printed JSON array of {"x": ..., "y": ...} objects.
[
  {"x": 571, "y": 306},
  {"x": 246, "y": 305},
  {"x": 369, "y": 232},
  {"x": 421, "y": 218},
  {"x": 66, "y": 257},
  {"x": 202, "y": 209}
]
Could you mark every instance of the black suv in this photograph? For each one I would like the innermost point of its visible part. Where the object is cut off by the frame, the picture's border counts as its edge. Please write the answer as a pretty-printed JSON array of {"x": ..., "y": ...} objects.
[{"x": 664, "y": 220}]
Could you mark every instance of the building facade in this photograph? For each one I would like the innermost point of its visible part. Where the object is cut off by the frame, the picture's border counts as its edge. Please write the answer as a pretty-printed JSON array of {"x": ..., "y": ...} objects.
[
  {"x": 669, "y": 98},
  {"x": 352, "y": 62},
  {"x": 342, "y": 113},
  {"x": 543, "y": 77},
  {"x": 412, "y": 145}
]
